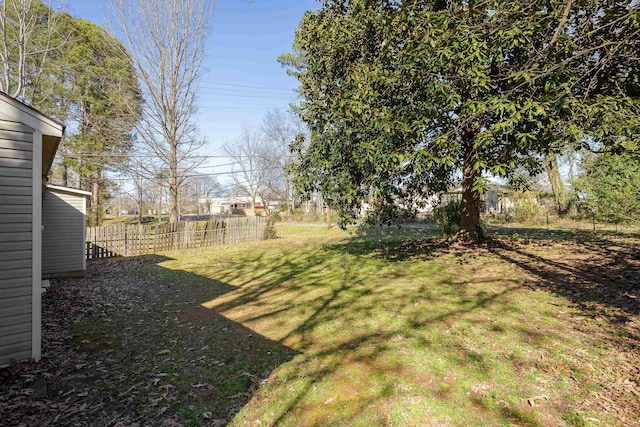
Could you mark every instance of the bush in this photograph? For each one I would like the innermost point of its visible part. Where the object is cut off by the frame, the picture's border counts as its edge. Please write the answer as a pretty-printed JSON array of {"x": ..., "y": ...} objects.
[
  {"x": 527, "y": 207},
  {"x": 298, "y": 215},
  {"x": 447, "y": 217}
]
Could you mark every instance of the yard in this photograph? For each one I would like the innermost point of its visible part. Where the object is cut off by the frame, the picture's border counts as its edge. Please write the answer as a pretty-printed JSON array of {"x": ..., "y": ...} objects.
[{"x": 322, "y": 327}]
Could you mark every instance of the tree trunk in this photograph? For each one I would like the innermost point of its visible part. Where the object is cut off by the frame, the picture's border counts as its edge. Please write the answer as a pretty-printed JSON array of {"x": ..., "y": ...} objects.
[
  {"x": 470, "y": 217},
  {"x": 139, "y": 199},
  {"x": 65, "y": 175},
  {"x": 160, "y": 204},
  {"x": 174, "y": 214},
  {"x": 290, "y": 199},
  {"x": 291, "y": 205},
  {"x": 95, "y": 199},
  {"x": 557, "y": 186}
]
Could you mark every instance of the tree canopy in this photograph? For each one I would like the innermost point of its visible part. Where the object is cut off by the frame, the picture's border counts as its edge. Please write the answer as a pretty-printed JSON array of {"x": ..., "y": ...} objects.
[
  {"x": 97, "y": 79},
  {"x": 404, "y": 98},
  {"x": 73, "y": 70}
]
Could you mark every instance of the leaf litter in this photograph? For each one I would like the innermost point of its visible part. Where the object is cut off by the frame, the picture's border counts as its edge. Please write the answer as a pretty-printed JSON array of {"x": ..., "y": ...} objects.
[{"x": 118, "y": 351}]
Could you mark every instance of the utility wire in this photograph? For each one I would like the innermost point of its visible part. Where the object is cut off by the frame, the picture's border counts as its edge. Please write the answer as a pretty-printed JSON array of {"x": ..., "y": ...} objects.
[
  {"x": 243, "y": 108},
  {"x": 255, "y": 96},
  {"x": 218, "y": 82}
]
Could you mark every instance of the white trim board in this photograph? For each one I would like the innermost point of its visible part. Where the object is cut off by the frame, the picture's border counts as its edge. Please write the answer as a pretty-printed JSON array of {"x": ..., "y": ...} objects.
[
  {"x": 68, "y": 190},
  {"x": 36, "y": 252},
  {"x": 30, "y": 117}
]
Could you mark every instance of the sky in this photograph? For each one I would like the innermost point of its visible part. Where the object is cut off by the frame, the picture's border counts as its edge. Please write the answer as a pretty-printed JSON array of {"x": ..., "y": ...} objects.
[{"x": 241, "y": 78}]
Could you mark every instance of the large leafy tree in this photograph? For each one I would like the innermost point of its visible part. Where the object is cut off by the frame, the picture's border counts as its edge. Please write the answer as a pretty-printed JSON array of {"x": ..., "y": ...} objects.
[
  {"x": 404, "y": 98},
  {"x": 98, "y": 84}
]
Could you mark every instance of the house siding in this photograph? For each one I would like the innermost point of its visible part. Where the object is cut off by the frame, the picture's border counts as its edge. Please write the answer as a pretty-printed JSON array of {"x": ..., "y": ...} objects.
[
  {"x": 16, "y": 240},
  {"x": 63, "y": 214}
]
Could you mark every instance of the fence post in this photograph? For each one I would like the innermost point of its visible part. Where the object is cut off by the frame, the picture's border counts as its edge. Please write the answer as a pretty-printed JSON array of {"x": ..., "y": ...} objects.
[{"x": 547, "y": 221}]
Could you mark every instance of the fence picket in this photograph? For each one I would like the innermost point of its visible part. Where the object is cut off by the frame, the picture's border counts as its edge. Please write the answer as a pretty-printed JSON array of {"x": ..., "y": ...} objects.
[{"x": 132, "y": 240}]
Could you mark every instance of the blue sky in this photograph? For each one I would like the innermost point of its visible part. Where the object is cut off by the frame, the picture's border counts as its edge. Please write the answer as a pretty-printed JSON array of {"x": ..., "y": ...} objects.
[{"x": 242, "y": 79}]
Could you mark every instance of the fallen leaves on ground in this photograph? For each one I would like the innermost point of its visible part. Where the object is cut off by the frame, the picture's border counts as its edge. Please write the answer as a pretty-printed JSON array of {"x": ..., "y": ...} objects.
[{"x": 116, "y": 353}]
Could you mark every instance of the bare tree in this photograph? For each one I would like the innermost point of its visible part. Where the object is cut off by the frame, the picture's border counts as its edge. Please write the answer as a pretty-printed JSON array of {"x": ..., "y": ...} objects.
[
  {"x": 167, "y": 41},
  {"x": 198, "y": 187},
  {"x": 280, "y": 131},
  {"x": 29, "y": 33},
  {"x": 250, "y": 170},
  {"x": 132, "y": 168}
]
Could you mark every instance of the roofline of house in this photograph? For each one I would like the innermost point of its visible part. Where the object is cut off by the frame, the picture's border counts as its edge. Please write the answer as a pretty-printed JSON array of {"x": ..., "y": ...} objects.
[
  {"x": 34, "y": 113},
  {"x": 68, "y": 190}
]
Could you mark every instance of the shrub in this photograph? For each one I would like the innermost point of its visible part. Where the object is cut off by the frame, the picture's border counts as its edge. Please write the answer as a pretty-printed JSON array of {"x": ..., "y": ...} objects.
[
  {"x": 447, "y": 217},
  {"x": 527, "y": 207}
]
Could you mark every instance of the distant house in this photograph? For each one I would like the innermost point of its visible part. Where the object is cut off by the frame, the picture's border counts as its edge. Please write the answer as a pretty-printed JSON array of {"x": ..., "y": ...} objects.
[
  {"x": 237, "y": 205},
  {"x": 28, "y": 143},
  {"x": 494, "y": 201}
]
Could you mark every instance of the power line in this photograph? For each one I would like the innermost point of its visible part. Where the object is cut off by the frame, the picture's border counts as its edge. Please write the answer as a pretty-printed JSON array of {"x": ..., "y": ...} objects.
[
  {"x": 153, "y": 156},
  {"x": 218, "y": 82},
  {"x": 246, "y": 91},
  {"x": 247, "y": 95},
  {"x": 243, "y": 108}
]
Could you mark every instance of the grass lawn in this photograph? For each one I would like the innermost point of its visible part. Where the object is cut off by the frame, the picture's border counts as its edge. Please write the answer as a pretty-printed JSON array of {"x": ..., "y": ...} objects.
[
  {"x": 323, "y": 327},
  {"x": 402, "y": 330}
]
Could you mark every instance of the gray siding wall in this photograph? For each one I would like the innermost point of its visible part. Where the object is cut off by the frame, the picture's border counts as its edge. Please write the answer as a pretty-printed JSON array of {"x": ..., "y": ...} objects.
[
  {"x": 16, "y": 212},
  {"x": 63, "y": 237}
]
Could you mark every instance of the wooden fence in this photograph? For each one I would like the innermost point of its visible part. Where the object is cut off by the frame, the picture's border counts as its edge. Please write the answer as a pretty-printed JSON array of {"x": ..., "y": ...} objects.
[{"x": 138, "y": 239}]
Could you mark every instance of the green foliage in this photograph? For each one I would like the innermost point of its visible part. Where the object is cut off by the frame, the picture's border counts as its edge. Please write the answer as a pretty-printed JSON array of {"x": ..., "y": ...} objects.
[
  {"x": 384, "y": 214},
  {"x": 98, "y": 80},
  {"x": 74, "y": 71},
  {"x": 448, "y": 217},
  {"x": 95, "y": 216},
  {"x": 610, "y": 187},
  {"x": 526, "y": 206},
  {"x": 400, "y": 97},
  {"x": 275, "y": 216}
]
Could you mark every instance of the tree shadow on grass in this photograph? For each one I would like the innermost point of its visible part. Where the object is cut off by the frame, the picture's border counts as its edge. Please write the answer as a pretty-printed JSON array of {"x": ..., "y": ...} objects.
[
  {"x": 131, "y": 344},
  {"x": 394, "y": 248},
  {"x": 599, "y": 272},
  {"x": 312, "y": 291},
  {"x": 595, "y": 271},
  {"x": 321, "y": 289},
  {"x": 602, "y": 268}
]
